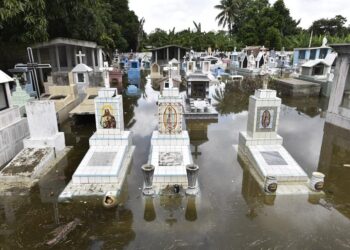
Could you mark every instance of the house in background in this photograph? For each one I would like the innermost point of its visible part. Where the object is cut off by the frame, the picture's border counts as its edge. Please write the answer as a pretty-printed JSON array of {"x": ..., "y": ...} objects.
[
  {"x": 303, "y": 55},
  {"x": 163, "y": 55}
]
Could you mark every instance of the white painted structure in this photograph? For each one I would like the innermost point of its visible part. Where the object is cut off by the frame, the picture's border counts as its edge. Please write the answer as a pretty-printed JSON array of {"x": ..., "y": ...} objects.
[
  {"x": 339, "y": 102},
  {"x": 13, "y": 128},
  {"x": 170, "y": 144},
  {"x": 81, "y": 74},
  {"x": 104, "y": 167},
  {"x": 155, "y": 71},
  {"x": 43, "y": 127},
  {"x": 262, "y": 147},
  {"x": 44, "y": 145}
]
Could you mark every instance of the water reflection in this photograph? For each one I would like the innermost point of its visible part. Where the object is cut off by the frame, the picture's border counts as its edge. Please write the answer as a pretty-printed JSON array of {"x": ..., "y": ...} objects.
[
  {"x": 149, "y": 211},
  {"x": 198, "y": 132},
  {"x": 253, "y": 194},
  {"x": 335, "y": 164},
  {"x": 310, "y": 106},
  {"x": 172, "y": 204},
  {"x": 191, "y": 210}
]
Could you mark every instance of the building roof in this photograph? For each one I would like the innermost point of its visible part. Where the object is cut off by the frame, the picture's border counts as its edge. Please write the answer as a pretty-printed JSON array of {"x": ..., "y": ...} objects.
[
  {"x": 325, "y": 47},
  {"x": 4, "y": 77},
  {"x": 170, "y": 45},
  {"x": 81, "y": 68},
  {"x": 343, "y": 48},
  {"x": 173, "y": 61},
  {"x": 198, "y": 76},
  {"x": 313, "y": 63},
  {"x": 66, "y": 41}
]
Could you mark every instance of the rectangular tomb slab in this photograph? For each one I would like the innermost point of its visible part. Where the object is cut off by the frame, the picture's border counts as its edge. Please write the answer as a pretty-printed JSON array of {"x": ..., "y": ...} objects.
[
  {"x": 274, "y": 160},
  {"x": 104, "y": 159},
  {"x": 100, "y": 165}
]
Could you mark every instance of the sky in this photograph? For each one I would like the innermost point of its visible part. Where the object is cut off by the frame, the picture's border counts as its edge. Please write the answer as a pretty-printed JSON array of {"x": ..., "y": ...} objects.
[{"x": 166, "y": 14}]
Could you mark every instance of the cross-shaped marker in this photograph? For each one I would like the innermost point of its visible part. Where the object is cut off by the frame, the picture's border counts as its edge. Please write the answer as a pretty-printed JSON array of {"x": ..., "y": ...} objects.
[{"x": 80, "y": 56}]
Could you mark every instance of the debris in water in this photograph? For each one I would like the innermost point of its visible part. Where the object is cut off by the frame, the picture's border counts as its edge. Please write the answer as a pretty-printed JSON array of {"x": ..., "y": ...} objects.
[{"x": 62, "y": 232}]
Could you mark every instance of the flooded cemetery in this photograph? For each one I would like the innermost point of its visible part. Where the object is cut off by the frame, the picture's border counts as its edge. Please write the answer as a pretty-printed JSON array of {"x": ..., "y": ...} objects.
[{"x": 169, "y": 146}]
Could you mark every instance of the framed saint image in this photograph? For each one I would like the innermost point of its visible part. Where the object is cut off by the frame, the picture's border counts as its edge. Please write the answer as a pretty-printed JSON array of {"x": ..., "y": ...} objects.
[
  {"x": 266, "y": 119},
  {"x": 106, "y": 116},
  {"x": 170, "y": 118}
]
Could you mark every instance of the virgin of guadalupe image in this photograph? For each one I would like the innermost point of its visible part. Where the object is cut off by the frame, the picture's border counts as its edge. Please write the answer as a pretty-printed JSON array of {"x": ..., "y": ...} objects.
[
  {"x": 169, "y": 119},
  {"x": 108, "y": 120},
  {"x": 265, "y": 119}
]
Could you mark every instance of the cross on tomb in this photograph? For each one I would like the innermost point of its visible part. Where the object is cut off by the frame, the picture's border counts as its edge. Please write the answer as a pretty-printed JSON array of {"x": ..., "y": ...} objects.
[
  {"x": 80, "y": 56},
  {"x": 106, "y": 69},
  {"x": 33, "y": 66}
]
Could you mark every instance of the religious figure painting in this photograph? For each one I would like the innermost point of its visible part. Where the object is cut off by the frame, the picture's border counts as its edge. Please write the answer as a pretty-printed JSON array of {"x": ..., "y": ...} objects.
[
  {"x": 170, "y": 119},
  {"x": 266, "y": 119},
  {"x": 107, "y": 120}
]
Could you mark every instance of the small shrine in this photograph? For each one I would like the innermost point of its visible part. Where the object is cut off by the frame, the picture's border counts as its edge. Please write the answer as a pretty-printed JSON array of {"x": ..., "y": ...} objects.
[
  {"x": 198, "y": 102},
  {"x": 103, "y": 169},
  {"x": 81, "y": 74},
  {"x": 134, "y": 72}
]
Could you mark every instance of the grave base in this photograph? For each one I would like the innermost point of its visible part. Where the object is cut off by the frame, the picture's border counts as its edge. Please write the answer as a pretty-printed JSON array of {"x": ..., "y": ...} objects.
[{"x": 74, "y": 190}]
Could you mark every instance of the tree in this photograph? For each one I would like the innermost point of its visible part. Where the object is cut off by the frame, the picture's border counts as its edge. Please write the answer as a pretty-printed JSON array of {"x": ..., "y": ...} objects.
[
  {"x": 229, "y": 11},
  {"x": 273, "y": 39},
  {"x": 333, "y": 26}
]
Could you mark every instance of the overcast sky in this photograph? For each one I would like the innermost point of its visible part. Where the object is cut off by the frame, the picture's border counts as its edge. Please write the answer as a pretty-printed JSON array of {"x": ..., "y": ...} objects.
[{"x": 166, "y": 14}]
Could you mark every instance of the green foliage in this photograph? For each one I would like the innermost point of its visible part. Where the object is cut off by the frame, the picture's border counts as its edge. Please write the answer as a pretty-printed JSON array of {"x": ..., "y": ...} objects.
[
  {"x": 273, "y": 38},
  {"x": 110, "y": 23},
  {"x": 333, "y": 26}
]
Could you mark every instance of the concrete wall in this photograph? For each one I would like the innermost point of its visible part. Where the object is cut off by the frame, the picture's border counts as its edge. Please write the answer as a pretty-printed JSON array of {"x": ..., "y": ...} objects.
[{"x": 13, "y": 129}]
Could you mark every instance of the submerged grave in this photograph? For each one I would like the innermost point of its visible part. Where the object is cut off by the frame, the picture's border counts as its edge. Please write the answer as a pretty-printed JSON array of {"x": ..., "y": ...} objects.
[
  {"x": 170, "y": 153},
  {"x": 104, "y": 167},
  {"x": 262, "y": 148},
  {"x": 42, "y": 150}
]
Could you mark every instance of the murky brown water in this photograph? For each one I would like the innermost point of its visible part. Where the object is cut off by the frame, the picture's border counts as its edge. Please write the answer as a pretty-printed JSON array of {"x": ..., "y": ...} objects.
[{"x": 230, "y": 213}]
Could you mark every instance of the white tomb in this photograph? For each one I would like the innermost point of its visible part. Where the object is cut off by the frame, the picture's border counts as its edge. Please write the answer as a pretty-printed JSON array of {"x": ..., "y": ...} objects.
[
  {"x": 170, "y": 144},
  {"x": 42, "y": 150},
  {"x": 190, "y": 67},
  {"x": 81, "y": 74},
  {"x": 13, "y": 128},
  {"x": 262, "y": 147},
  {"x": 205, "y": 66},
  {"x": 155, "y": 71},
  {"x": 105, "y": 165}
]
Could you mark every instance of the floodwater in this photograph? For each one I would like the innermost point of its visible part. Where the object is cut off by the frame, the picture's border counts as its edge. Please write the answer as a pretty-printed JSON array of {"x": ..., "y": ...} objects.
[{"x": 230, "y": 213}]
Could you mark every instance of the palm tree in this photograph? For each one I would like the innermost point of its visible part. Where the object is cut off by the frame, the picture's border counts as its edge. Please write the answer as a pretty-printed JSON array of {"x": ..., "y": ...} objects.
[{"x": 228, "y": 13}]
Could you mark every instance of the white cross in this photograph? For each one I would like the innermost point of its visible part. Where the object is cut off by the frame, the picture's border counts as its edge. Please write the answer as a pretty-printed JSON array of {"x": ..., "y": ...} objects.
[
  {"x": 80, "y": 56},
  {"x": 105, "y": 69}
]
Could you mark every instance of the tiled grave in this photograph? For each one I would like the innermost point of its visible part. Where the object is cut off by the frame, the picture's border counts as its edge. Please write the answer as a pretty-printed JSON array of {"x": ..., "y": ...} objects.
[
  {"x": 170, "y": 145},
  {"x": 262, "y": 148},
  {"x": 104, "y": 167}
]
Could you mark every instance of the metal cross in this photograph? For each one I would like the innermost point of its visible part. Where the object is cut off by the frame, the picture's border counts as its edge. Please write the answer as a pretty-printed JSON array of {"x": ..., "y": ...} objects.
[
  {"x": 80, "y": 56},
  {"x": 33, "y": 66}
]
